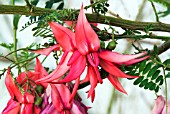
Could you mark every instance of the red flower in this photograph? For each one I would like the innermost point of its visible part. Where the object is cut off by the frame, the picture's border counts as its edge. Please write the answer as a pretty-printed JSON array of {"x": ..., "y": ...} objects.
[{"x": 83, "y": 49}]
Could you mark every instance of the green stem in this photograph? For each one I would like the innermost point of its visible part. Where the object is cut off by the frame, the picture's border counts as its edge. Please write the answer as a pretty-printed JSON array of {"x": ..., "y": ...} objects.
[
  {"x": 166, "y": 91},
  {"x": 154, "y": 9},
  {"x": 111, "y": 101}
]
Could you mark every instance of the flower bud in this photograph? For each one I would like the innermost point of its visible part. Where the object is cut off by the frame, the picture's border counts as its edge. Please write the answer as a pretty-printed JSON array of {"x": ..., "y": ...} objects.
[
  {"x": 38, "y": 101},
  {"x": 111, "y": 45},
  {"x": 39, "y": 89}
]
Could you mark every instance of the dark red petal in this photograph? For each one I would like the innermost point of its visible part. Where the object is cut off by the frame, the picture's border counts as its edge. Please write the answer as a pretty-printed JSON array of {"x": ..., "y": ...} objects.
[
  {"x": 47, "y": 51},
  {"x": 56, "y": 98},
  {"x": 117, "y": 57},
  {"x": 115, "y": 82},
  {"x": 64, "y": 36},
  {"x": 113, "y": 70},
  {"x": 85, "y": 37}
]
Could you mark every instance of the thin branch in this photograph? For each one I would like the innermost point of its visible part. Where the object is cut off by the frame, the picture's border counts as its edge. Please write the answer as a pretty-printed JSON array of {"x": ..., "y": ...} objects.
[
  {"x": 123, "y": 23},
  {"x": 154, "y": 9}
]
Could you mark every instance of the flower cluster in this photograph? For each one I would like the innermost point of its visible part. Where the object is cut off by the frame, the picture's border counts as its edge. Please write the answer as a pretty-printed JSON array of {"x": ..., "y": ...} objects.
[
  {"x": 81, "y": 49},
  {"x": 40, "y": 92},
  {"x": 29, "y": 97}
]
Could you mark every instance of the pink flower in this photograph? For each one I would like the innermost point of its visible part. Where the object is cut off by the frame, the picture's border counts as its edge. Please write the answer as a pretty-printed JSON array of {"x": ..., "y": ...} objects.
[
  {"x": 160, "y": 106},
  {"x": 82, "y": 49}
]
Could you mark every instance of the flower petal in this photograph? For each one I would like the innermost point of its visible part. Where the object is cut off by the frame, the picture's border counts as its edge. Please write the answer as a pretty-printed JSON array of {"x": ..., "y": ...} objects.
[
  {"x": 74, "y": 91},
  {"x": 47, "y": 51},
  {"x": 12, "y": 107},
  {"x": 134, "y": 61},
  {"x": 76, "y": 69},
  {"x": 74, "y": 57},
  {"x": 159, "y": 105},
  {"x": 113, "y": 70},
  {"x": 64, "y": 36},
  {"x": 65, "y": 95},
  {"x": 26, "y": 108},
  {"x": 59, "y": 71},
  {"x": 12, "y": 88},
  {"x": 56, "y": 98},
  {"x": 42, "y": 72},
  {"x": 85, "y": 37},
  {"x": 93, "y": 80},
  {"x": 115, "y": 82},
  {"x": 117, "y": 57}
]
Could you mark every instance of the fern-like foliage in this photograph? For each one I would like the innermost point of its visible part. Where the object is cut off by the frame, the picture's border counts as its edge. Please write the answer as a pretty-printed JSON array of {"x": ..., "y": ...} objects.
[{"x": 165, "y": 3}]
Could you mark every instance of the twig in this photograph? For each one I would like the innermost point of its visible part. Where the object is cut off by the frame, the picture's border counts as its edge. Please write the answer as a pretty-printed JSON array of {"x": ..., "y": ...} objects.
[
  {"x": 154, "y": 9},
  {"x": 123, "y": 23}
]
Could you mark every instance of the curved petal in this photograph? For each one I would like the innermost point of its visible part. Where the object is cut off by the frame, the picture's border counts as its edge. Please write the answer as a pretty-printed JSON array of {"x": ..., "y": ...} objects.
[
  {"x": 74, "y": 57},
  {"x": 65, "y": 95},
  {"x": 117, "y": 57},
  {"x": 56, "y": 98},
  {"x": 134, "y": 61},
  {"x": 12, "y": 88},
  {"x": 159, "y": 105},
  {"x": 76, "y": 85},
  {"x": 93, "y": 80},
  {"x": 59, "y": 71},
  {"x": 47, "y": 51},
  {"x": 85, "y": 37},
  {"x": 113, "y": 70},
  {"x": 115, "y": 82},
  {"x": 12, "y": 107},
  {"x": 26, "y": 108},
  {"x": 64, "y": 36},
  {"x": 76, "y": 69},
  {"x": 42, "y": 72}
]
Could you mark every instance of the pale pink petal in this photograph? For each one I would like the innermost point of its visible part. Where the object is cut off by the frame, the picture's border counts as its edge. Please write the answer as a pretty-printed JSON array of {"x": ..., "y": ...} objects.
[
  {"x": 115, "y": 82},
  {"x": 64, "y": 36},
  {"x": 85, "y": 37},
  {"x": 117, "y": 57},
  {"x": 164, "y": 109},
  {"x": 46, "y": 51},
  {"x": 159, "y": 105},
  {"x": 113, "y": 70},
  {"x": 78, "y": 108}
]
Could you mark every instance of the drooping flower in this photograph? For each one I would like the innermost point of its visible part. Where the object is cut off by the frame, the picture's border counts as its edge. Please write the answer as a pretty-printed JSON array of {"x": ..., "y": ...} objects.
[
  {"x": 160, "y": 106},
  {"x": 81, "y": 50}
]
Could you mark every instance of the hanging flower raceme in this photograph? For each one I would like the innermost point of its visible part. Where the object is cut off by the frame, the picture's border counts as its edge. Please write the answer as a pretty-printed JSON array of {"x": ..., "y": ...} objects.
[{"x": 81, "y": 50}]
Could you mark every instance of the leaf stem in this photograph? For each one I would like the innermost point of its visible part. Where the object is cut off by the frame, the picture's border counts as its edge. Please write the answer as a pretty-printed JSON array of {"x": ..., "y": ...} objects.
[
  {"x": 166, "y": 91},
  {"x": 154, "y": 9}
]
